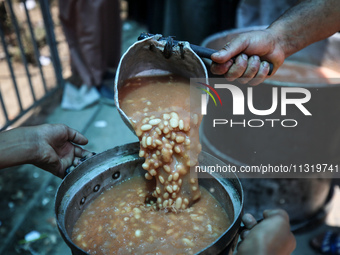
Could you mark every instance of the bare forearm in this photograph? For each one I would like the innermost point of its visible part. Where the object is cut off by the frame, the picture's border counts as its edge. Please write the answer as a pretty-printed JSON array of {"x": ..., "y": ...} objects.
[
  {"x": 51, "y": 147},
  {"x": 17, "y": 146},
  {"x": 307, "y": 22}
]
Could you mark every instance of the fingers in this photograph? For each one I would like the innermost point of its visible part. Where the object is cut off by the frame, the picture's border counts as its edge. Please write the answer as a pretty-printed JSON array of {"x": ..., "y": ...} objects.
[
  {"x": 249, "y": 222},
  {"x": 245, "y": 69},
  {"x": 80, "y": 152},
  {"x": 76, "y": 137},
  {"x": 222, "y": 60},
  {"x": 221, "y": 69},
  {"x": 73, "y": 158},
  {"x": 80, "y": 155},
  {"x": 261, "y": 74},
  {"x": 76, "y": 161},
  {"x": 237, "y": 69},
  {"x": 231, "y": 49},
  {"x": 276, "y": 212},
  {"x": 252, "y": 69}
]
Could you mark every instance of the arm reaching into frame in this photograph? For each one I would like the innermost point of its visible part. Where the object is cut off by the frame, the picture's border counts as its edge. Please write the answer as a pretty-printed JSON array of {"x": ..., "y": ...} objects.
[
  {"x": 52, "y": 147},
  {"x": 307, "y": 22}
]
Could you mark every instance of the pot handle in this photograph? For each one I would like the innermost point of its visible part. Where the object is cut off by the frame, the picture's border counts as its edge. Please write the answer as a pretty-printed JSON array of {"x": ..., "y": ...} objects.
[
  {"x": 206, "y": 53},
  {"x": 199, "y": 50},
  {"x": 72, "y": 167}
]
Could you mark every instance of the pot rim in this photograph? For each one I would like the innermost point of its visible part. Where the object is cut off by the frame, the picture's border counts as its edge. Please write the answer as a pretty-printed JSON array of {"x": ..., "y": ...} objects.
[
  {"x": 144, "y": 46},
  {"x": 62, "y": 198}
]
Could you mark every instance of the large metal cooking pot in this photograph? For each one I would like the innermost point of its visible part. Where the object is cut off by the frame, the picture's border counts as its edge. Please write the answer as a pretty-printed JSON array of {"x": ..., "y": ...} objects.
[
  {"x": 315, "y": 140},
  {"x": 153, "y": 56},
  {"x": 88, "y": 180}
]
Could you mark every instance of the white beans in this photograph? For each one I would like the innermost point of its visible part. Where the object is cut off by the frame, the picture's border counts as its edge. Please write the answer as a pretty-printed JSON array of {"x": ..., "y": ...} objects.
[
  {"x": 138, "y": 233},
  {"x": 154, "y": 122},
  {"x": 141, "y": 153},
  {"x": 158, "y": 131},
  {"x": 181, "y": 124},
  {"x": 136, "y": 210},
  {"x": 177, "y": 149},
  {"x": 178, "y": 203},
  {"x": 174, "y": 115},
  {"x": 148, "y": 176},
  {"x": 181, "y": 169},
  {"x": 166, "y": 116},
  {"x": 173, "y": 123},
  {"x": 167, "y": 168},
  {"x": 146, "y": 127},
  {"x": 186, "y": 201},
  {"x": 161, "y": 179},
  {"x": 158, "y": 142},
  {"x": 139, "y": 133},
  {"x": 144, "y": 142},
  {"x": 166, "y": 195},
  {"x": 169, "y": 231},
  {"x": 161, "y": 136},
  {"x": 169, "y": 188},
  {"x": 170, "y": 178},
  {"x": 187, "y": 242},
  {"x": 180, "y": 139}
]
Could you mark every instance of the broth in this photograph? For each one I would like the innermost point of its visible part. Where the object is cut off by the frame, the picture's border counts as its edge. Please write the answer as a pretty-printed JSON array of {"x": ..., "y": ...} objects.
[
  {"x": 166, "y": 212},
  {"x": 120, "y": 222},
  {"x": 167, "y": 126}
]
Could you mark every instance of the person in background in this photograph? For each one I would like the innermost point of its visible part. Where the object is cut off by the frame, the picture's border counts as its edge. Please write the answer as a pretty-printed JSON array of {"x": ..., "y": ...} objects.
[
  {"x": 93, "y": 33},
  {"x": 306, "y": 22}
]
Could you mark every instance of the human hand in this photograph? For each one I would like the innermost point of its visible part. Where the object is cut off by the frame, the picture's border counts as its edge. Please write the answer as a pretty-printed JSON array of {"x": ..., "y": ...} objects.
[
  {"x": 253, "y": 50},
  {"x": 57, "y": 148},
  {"x": 272, "y": 236}
]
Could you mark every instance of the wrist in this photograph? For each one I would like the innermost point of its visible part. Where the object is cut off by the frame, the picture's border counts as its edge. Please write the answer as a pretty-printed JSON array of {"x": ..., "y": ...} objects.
[
  {"x": 282, "y": 40},
  {"x": 31, "y": 148},
  {"x": 25, "y": 147}
]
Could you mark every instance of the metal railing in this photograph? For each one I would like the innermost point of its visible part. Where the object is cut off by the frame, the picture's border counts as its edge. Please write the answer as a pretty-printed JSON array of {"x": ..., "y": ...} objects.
[{"x": 24, "y": 96}]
